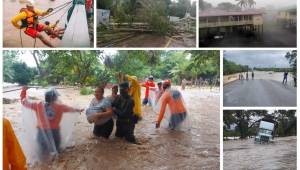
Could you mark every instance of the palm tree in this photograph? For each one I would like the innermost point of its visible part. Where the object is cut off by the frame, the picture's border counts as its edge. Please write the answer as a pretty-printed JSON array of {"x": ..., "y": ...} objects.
[
  {"x": 251, "y": 3},
  {"x": 242, "y": 3},
  {"x": 245, "y": 3}
]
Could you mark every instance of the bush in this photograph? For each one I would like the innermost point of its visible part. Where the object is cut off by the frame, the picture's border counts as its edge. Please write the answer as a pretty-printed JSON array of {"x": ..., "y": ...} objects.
[
  {"x": 43, "y": 83},
  {"x": 86, "y": 91}
]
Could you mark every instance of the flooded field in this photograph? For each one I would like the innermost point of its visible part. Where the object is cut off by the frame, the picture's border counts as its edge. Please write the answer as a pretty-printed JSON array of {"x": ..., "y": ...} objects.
[
  {"x": 245, "y": 154},
  {"x": 161, "y": 148},
  {"x": 12, "y": 36}
]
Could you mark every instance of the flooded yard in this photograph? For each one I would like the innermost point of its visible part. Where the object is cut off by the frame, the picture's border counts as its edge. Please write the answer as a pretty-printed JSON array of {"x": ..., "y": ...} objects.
[
  {"x": 193, "y": 148},
  {"x": 245, "y": 154},
  {"x": 273, "y": 36}
]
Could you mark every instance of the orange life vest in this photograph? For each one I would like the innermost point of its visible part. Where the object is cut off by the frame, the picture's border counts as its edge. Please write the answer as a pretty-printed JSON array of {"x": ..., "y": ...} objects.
[{"x": 30, "y": 20}]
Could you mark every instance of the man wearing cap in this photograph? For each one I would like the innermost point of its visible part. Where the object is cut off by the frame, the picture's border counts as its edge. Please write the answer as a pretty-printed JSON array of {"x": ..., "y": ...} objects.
[
  {"x": 49, "y": 115},
  {"x": 148, "y": 84},
  {"x": 173, "y": 99},
  {"x": 29, "y": 22},
  {"x": 123, "y": 109}
]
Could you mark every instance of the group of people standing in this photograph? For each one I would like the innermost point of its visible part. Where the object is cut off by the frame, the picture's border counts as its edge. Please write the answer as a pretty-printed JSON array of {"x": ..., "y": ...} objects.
[
  {"x": 241, "y": 76},
  {"x": 124, "y": 105}
]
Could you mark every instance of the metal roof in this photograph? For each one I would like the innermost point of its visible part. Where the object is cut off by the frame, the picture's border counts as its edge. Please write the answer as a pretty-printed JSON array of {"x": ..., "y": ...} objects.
[{"x": 217, "y": 12}]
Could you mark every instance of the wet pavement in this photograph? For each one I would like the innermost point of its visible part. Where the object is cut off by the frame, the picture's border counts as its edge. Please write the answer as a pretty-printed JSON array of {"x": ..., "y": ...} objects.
[{"x": 264, "y": 90}]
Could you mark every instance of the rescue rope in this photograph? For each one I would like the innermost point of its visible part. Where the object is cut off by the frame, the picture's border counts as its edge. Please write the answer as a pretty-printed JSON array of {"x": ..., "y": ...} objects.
[
  {"x": 52, "y": 13},
  {"x": 60, "y": 7}
]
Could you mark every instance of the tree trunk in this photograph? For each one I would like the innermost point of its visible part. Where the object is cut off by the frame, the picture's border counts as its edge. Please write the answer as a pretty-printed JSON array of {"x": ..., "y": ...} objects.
[{"x": 37, "y": 63}]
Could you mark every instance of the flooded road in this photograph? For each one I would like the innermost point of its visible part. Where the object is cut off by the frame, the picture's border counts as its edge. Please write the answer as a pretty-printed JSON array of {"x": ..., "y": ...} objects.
[
  {"x": 245, "y": 154},
  {"x": 161, "y": 148}
]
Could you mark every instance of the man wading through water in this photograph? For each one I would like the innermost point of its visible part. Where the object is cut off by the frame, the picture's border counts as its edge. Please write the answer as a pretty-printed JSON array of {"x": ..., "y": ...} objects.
[
  {"x": 173, "y": 99},
  {"x": 29, "y": 23},
  {"x": 123, "y": 109}
]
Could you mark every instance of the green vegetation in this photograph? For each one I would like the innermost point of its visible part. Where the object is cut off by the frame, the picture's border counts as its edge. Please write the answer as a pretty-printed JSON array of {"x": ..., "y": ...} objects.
[
  {"x": 273, "y": 69},
  {"x": 94, "y": 68},
  {"x": 15, "y": 71},
  {"x": 86, "y": 91},
  {"x": 292, "y": 57},
  {"x": 232, "y": 68},
  {"x": 247, "y": 122},
  {"x": 154, "y": 12}
]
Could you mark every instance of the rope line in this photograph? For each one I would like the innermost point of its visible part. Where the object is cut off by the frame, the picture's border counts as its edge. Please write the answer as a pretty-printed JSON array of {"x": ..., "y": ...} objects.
[{"x": 60, "y": 7}]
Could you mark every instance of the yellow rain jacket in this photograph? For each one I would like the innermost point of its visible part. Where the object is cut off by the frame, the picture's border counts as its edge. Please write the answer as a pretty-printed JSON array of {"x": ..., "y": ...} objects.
[
  {"x": 26, "y": 15},
  {"x": 135, "y": 92},
  {"x": 13, "y": 156}
]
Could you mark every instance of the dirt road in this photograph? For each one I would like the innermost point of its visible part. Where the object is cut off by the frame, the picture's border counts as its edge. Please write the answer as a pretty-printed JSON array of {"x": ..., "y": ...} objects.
[
  {"x": 245, "y": 154},
  {"x": 196, "y": 148}
]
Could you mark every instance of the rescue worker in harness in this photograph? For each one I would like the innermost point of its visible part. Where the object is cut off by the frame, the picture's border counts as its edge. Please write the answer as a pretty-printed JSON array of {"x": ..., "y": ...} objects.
[
  {"x": 29, "y": 22},
  {"x": 54, "y": 27}
]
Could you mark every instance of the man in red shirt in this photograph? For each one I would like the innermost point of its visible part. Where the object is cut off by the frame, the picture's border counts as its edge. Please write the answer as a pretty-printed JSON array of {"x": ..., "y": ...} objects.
[{"x": 148, "y": 84}]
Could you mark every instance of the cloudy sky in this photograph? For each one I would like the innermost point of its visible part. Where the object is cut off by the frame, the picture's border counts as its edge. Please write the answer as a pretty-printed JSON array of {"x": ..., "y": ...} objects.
[
  {"x": 260, "y": 58},
  {"x": 259, "y": 3}
]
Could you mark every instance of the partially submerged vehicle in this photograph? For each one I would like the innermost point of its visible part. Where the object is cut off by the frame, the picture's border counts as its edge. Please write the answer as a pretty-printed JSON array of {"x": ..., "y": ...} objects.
[{"x": 265, "y": 132}]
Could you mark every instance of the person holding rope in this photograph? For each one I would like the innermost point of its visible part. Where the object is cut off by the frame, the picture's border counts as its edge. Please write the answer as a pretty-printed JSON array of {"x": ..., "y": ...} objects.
[{"x": 29, "y": 22}]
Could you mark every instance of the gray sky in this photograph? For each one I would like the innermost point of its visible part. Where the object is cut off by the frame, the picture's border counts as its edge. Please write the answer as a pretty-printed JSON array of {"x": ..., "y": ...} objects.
[
  {"x": 259, "y": 3},
  {"x": 258, "y": 58}
]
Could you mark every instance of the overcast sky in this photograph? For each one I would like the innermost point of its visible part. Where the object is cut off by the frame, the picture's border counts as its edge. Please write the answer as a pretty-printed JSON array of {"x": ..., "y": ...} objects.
[
  {"x": 260, "y": 58},
  {"x": 259, "y": 3}
]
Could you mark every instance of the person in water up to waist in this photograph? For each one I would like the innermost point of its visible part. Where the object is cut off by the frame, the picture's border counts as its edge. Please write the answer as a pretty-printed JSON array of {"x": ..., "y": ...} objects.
[
  {"x": 100, "y": 113},
  {"x": 29, "y": 22},
  {"x": 148, "y": 84},
  {"x": 135, "y": 93},
  {"x": 49, "y": 115},
  {"x": 173, "y": 99},
  {"x": 123, "y": 109}
]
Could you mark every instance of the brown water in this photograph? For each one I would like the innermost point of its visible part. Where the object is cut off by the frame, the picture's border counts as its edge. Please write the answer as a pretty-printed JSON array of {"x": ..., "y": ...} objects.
[
  {"x": 11, "y": 36},
  {"x": 245, "y": 154},
  {"x": 197, "y": 148}
]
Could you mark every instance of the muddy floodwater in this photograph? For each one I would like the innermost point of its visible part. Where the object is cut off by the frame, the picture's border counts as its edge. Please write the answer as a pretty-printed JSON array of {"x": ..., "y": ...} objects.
[
  {"x": 273, "y": 36},
  {"x": 193, "y": 148},
  {"x": 245, "y": 154}
]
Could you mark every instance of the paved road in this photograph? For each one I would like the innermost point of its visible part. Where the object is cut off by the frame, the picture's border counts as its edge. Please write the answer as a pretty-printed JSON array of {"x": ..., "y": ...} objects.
[{"x": 259, "y": 93}]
